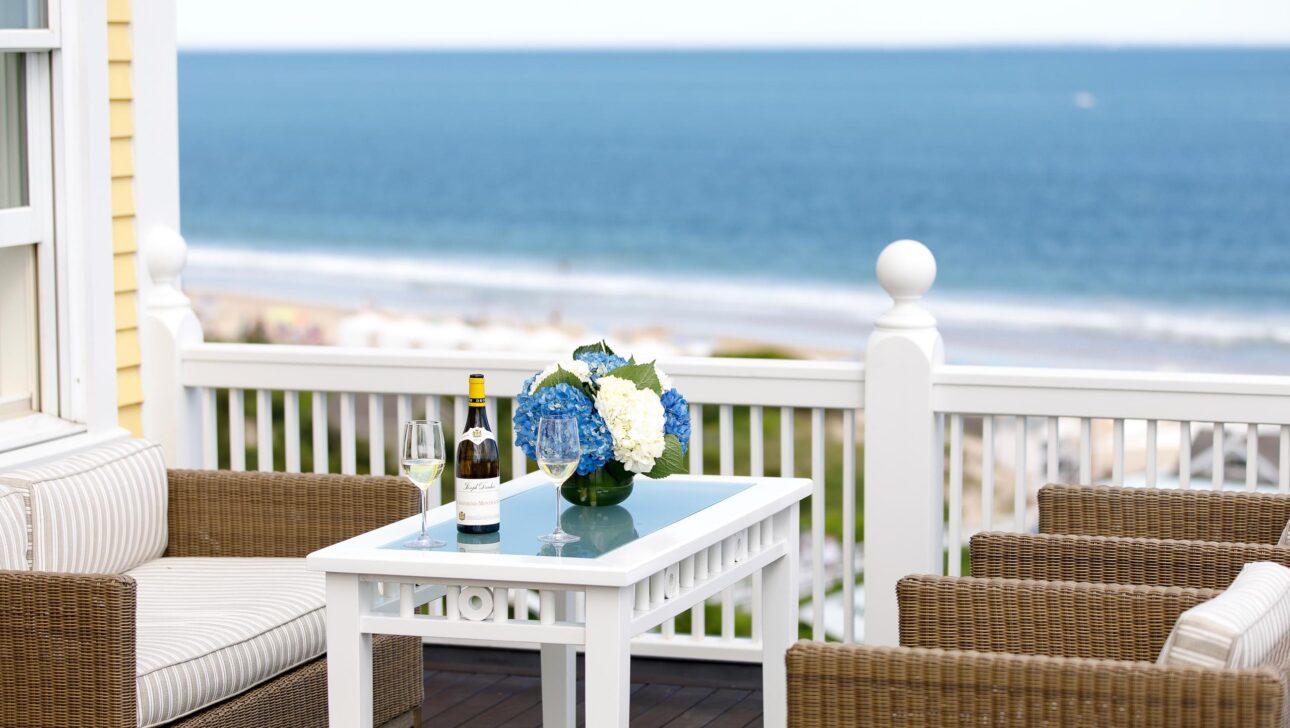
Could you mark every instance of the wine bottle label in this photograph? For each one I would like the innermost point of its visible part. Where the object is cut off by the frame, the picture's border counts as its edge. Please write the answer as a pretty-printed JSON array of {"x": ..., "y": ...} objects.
[
  {"x": 477, "y": 435},
  {"x": 479, "y": 501}
]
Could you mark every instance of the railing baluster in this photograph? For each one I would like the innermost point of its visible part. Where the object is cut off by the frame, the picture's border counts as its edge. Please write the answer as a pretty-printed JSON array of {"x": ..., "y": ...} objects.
[
  {"x": 376, "y": 434},
  {"x": 955, "y": 556},
  {"x": 236, "y": 430},
  {"x": 987, "y": 472},
  {"x": 432, "y": 408},
  {"x": 1283, "y": 461},
  {"x": 402, "y": 414},
  {"x": 322, "y": 459},
  {"x": 756, "y": 442},
  {"x": 1117, "y": 445},
  {"x": 1086, "y": 450},
  {"x": 787, "y": 440},
  {"x": 1184, "y": 454},
  {"x": 519, "y": 462},
  {"x": 490, "y": 406},
  {"x": 817, "y": 522},
  {"x": 348, "y": 458},
  {"x": 1151, "y": 453},
  {"x": 696, "y": 439},
  {"x": 1019, "y": 481},
  {"x": 1218, "y": 457},
  {"x": 728, "y": 614},
  {"x": 291, "y": 429},
  {"x": 1054, "y": 442},
  {"x": 458, "y": 419},
  {"x": 210, "y": 429},
  {"x": 264, "y": 430},
  {"x": 726, "y": 428},
  {"x": 848, "y": 526},
  {"x": 1251, "y": 457}
]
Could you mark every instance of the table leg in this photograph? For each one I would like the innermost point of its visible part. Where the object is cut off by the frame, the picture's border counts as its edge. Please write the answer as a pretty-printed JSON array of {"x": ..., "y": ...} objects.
[
  {"x": 349, "y": 653},
  {"x": 559, "y": 674},
  {"x": 779, "y": 622},
  {"x": 608, "y": 655}
]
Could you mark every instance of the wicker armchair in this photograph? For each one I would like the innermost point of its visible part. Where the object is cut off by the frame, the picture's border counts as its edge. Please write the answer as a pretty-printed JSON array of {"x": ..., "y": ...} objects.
[
  {"x": 1113, "y": 560},
  {"x": 67, "y": 640},
  {"x": 998, "y": 652},
  {"x": 1190, "y": 515}
]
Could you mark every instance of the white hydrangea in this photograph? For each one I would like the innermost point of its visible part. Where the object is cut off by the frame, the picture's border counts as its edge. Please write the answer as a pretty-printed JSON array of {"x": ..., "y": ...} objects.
[
  {"x": 573, "y": 366},
  {"x": 635, "y": 419},
  {"x": 663, "y": 379}
]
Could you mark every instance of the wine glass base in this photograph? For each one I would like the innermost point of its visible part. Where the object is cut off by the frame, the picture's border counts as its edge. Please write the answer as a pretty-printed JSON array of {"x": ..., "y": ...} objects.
[
  {"x": 558, "y": 537},
  {"x": 424, "y": 544}
]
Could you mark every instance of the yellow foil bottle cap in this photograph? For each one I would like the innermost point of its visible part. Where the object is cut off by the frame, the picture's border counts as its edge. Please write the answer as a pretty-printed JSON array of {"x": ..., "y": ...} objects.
[{"x": 476, "y": 391}]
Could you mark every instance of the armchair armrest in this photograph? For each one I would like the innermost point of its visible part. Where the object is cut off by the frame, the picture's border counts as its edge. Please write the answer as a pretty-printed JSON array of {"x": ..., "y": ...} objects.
[
  {"x": 1110, "y": 560},
  {"x": 1058, "y": 619},
  {"x": 225, "y": 513},
  {"x": 1190, "y": 515},
  {"x": 67, "y": 649},
  {"x": 835, "y": 685}
]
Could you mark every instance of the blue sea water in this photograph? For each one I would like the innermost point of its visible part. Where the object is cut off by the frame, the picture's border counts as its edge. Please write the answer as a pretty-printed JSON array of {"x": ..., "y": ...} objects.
[{"x": 1130, "y": 194}]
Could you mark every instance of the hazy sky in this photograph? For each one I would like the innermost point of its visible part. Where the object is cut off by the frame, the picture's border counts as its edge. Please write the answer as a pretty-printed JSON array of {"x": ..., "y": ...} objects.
[{"x": 725, "y": 23}]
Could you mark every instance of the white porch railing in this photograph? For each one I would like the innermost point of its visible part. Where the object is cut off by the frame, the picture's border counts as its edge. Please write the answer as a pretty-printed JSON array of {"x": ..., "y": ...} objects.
[{"x": 935, "y": 435}]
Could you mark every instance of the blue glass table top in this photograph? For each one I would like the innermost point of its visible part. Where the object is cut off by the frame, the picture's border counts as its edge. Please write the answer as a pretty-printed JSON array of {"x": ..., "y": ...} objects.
[{"x": 653, "y": 505}]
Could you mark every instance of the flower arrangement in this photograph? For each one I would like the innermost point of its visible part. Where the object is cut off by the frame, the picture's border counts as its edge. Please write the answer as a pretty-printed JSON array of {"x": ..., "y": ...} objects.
[{"x": 631, "y": 420}]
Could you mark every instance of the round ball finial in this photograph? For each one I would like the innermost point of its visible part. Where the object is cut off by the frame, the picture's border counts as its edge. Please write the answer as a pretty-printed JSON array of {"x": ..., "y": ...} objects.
[
  {"x": 906, "y": 270},
  {"x": 166, "y": 254}
]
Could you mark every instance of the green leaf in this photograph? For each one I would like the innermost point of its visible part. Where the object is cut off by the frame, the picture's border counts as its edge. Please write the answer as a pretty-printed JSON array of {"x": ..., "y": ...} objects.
[
  {"x": 599, "y": 346},
  {"x": 644, "y": 376},
  {"x": 671, "y": 462},
  {"x": 559, "y": 376}
]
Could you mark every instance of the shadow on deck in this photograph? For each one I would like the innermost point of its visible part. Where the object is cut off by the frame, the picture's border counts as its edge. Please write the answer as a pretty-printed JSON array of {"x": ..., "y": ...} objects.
[{"x": 482, "y": 688}]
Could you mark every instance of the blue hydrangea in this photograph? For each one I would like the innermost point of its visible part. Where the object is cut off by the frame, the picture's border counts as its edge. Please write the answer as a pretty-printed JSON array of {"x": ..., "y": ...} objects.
[
  {"x": 563, "y": 400},
  {"x": 676, "y": 417},
  {"x": 600, "y": 363}
]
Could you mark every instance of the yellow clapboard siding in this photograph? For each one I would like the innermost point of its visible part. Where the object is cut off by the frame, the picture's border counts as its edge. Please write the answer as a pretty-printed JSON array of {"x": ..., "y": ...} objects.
[
  {"x": 120, "y": 86},
  {"x": 123, "y": 273},
  {"x": 129, "y": 386},
  {"x": 118, "y": 11},
  {"x": 131, "y": 418},
  {"x": 122, "y": 157},
  {"x": 127, "y": 348},
  {"x": 123, "y": 197},
  {"x": 118, "y": 41},
  {"x": 127, "y": 310},
  {"x": 123, "y": 238},
  {"x": 121, "y": 119}
]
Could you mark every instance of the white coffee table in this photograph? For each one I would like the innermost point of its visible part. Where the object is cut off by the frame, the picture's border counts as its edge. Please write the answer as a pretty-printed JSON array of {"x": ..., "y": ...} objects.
[{"x": 672, "y": 544}]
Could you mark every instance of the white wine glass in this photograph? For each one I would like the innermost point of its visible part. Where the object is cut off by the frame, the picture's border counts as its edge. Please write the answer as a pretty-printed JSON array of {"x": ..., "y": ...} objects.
[
  {"x": 558, "y": 453},
  {"x": 422, "y": 459}
]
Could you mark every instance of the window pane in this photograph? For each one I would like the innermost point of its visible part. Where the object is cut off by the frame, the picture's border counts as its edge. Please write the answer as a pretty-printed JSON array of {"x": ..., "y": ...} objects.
[
  {"x": 13, "y": 130},
  {"x": 19, "y": 361},
  {"x": 23, "y": 14}
]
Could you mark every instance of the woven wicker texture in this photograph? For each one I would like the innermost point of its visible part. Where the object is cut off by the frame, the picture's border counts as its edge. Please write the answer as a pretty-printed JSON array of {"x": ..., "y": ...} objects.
[
  {"x": 1058, "y": 619},
  {"x": 1194, "y": 515},
  {"x": 223, "y": 513},
  {"x": 1105, "y": 559},
  {"x": 832, "y": 685},
  {"x": 298, "y": 699},
  {"x": 66, "y": 650}
]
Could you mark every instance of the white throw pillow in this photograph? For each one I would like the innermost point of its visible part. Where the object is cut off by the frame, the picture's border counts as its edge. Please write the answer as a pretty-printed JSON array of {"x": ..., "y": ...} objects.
[
  {"x": 1239, "y": 628},
  {"x": 1285, "y": 536}
]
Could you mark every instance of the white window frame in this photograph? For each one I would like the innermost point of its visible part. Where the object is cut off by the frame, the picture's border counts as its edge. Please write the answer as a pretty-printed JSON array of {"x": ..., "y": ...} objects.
[{"x": 69, "y": 195}]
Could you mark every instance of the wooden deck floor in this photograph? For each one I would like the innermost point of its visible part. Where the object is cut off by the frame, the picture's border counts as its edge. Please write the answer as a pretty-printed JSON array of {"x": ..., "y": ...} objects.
[{"x": 482, "y": 688}]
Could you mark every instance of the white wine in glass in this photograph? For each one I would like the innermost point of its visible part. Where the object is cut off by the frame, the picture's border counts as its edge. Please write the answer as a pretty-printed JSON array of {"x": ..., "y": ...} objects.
[
  {"x": 422, "y": 458},
  {"x": 558, "y": 452}
]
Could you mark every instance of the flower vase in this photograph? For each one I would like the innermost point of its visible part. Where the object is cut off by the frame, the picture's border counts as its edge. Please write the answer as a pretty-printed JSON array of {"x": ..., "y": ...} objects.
[{"x": 606, "y": 486}]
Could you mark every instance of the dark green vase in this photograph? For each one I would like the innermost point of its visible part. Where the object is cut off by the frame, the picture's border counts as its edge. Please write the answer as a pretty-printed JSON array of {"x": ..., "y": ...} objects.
[{"x": 607, "y": 486}]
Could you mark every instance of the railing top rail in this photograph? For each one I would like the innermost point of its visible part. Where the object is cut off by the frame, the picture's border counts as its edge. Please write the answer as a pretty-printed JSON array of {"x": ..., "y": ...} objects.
[
  {"x": 770, "y": 382},
  {"x": 1112, "y": 394}
]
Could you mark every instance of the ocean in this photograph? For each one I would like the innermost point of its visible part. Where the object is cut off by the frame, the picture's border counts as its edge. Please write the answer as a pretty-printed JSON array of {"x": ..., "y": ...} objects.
[{"x": 1115, "y": 208}]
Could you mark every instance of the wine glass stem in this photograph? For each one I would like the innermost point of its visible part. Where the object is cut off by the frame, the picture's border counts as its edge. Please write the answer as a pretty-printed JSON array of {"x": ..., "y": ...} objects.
[
  {"x": 425, "y": 500},
  {"x": 557, "y": 508}
]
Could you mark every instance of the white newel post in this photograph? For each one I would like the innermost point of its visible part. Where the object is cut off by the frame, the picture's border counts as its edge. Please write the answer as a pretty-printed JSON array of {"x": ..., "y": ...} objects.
[
  {"x": 171, "y": 413},
  {"x": 902, "y": 455}
]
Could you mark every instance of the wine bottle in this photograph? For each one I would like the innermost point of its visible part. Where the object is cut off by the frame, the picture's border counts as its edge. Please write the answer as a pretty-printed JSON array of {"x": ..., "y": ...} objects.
[{"x": 478, "y": 468}]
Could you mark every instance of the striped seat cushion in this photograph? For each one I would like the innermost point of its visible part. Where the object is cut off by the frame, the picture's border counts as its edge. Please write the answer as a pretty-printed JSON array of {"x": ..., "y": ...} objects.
[
  {"x": 101, "y": 511},
  {"x": 210, "y": 628},
  {"x": 13, "y": 531},
  {"x": 1248, "y": 625}
]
